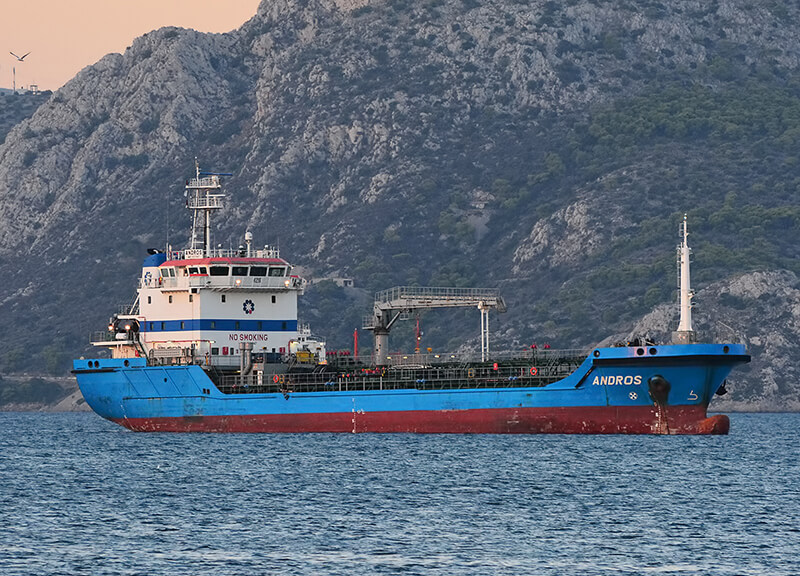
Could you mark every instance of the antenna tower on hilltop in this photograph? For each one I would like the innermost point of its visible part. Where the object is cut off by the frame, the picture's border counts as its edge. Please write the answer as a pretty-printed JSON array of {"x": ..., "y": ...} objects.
[{"x": 14, "y": 69}]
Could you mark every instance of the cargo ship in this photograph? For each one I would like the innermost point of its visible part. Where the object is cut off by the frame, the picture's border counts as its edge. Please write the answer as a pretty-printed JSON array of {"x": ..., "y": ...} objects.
[{"x": 212, "y": 343}]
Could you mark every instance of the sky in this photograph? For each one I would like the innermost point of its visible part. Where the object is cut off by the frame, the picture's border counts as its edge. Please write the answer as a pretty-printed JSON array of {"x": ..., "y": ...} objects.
[{"x": 65, "y": 36}]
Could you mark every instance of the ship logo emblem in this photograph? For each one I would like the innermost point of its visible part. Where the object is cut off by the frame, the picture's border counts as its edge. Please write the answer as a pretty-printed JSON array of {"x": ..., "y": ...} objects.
[
  {"x": 633, "y": 395},
  {"x": 248, "y": 306}
]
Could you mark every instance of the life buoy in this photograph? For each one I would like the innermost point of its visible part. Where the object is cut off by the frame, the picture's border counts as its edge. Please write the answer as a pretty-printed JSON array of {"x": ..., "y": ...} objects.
[
  {"x": 275, "y": 378},
  {"x": 534, "y": 370}
]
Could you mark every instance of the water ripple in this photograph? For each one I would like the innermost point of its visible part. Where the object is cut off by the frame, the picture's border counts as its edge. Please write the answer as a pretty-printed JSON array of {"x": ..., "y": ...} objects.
[{"x": 81, "y": 496}]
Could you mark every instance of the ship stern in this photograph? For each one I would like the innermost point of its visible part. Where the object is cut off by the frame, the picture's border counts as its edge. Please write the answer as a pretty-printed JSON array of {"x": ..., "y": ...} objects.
[{"x": 103, "y": 384}]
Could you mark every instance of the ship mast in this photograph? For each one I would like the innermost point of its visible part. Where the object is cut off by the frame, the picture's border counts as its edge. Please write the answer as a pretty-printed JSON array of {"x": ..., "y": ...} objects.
[
  {"x": 203, "y": 195},
  {"x": 685, "y": 333}
]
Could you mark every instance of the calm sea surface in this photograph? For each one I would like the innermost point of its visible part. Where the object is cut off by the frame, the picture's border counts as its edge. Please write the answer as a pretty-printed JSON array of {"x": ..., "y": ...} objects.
[{"x": 79, "y": 495}]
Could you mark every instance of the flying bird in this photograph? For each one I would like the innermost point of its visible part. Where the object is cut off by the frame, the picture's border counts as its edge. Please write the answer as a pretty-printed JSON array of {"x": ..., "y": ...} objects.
[{"x": 20, "y": 58}]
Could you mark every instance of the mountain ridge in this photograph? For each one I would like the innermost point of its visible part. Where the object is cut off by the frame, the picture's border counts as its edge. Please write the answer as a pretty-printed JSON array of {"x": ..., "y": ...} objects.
[{"x": 548, "y": 149}]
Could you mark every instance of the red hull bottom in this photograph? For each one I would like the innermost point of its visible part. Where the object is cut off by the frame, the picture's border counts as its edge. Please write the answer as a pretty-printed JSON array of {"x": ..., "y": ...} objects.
[{"x": 573, "y": 420}]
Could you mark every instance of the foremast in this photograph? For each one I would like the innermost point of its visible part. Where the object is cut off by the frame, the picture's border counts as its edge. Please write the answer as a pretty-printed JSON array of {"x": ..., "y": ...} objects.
[{"x": 685, "y": 333}]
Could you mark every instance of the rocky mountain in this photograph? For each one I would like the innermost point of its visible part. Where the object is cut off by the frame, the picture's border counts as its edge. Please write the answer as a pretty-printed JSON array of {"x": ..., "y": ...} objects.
[
  {"x": 51, "y": 394},
  {"x": 759, "y": 309},
  {"x": 16, "y": 107},
  {"x": 545, "y": 148}
]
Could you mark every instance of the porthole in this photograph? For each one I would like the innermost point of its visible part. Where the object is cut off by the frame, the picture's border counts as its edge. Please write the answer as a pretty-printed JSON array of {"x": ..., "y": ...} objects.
[
  {"x": 653, "y": 351},
  {"x": 126, "y": 363},
  {"x": 597, "y": 353},
  {"x": 640, "y": 351},
  {"x": 726, "y": 349}
]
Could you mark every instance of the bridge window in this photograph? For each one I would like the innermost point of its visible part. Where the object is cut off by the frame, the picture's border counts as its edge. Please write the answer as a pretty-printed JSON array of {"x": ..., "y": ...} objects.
[
  {"x": 277, "y": 271},
  {"x": 193, "y": 270},
  {"x": 171, "y": 272},
  {"x": 202, "y": 270},
  {"x": 215, "y": 351},
  {"x": 219, "y": 271},
  {"x": 240, "y": 271},
  {"x": 258, "y": 271}
]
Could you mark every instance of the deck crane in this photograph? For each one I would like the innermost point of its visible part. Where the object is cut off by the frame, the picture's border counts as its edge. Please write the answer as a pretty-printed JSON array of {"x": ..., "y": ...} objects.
[{"x": 398, "y": 302}]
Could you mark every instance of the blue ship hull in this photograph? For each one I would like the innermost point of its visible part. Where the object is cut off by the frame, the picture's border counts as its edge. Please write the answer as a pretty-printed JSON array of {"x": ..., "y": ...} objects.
[{"x": 651, "y": 390}]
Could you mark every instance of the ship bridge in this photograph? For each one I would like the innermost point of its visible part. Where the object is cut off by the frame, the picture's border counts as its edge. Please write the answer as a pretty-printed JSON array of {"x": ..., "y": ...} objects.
[{"x": 400, "y": 301}]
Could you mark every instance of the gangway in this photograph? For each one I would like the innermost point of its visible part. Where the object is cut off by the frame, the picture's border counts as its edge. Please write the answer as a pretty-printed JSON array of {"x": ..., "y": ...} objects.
[{"x": 399, "y": 302}]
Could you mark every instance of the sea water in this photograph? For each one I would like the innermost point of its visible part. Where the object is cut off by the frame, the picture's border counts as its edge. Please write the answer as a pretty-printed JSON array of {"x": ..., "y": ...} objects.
[{"x": 79, "y": 495}]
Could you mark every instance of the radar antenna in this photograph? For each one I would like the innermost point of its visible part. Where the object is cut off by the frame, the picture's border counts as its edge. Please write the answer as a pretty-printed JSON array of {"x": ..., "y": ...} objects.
[{"x": 203, "y": 196}]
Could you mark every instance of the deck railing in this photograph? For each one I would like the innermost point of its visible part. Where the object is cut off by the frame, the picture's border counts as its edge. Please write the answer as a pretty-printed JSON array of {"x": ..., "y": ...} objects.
[
  {"x": 194, "y": 253},
  {"x": 347, "y": 374},
  {"x": 421, "y": 292},
  {"x": 534, "y": 356},
  {"x": 233, "y": 282},
  {"x": 452, "y": 378}
]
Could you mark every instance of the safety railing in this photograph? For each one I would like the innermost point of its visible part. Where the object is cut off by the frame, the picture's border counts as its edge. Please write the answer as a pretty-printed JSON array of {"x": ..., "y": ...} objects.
[
  {"x": 535, "y": 356},
  {"x": 212, "y": 181},
  {"x": 195, "y": 253},
  {"x": 398, "y": 378},
  {"x": 435, "y": 293},
  {"x": 205, "y": 202},
  {"x": 250, "y": 282},
  {"x": 126, "y": 309}
]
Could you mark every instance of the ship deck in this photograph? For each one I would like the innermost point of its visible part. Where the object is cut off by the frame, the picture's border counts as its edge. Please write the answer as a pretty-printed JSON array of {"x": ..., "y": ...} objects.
[{"x": 521, "y": 372}]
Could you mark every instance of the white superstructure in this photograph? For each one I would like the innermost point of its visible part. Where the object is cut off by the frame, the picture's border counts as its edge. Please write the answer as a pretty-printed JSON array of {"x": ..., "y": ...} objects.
[{"x": 208, "y": 305}]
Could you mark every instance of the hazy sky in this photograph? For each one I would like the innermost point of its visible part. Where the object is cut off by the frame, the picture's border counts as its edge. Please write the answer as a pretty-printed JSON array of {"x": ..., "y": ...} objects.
[{"x": 64, "y": 36}]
